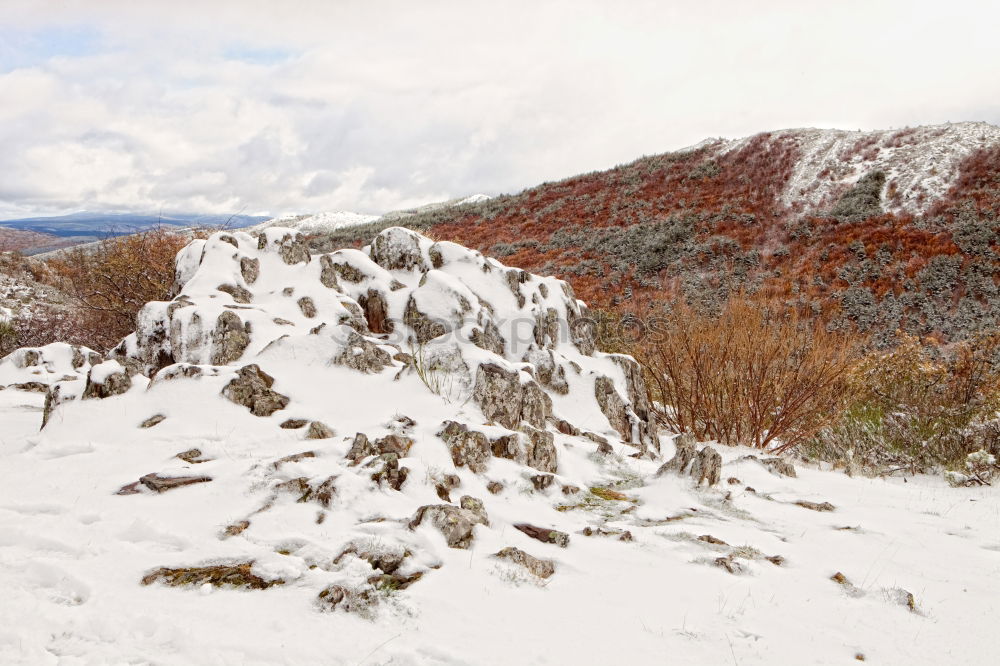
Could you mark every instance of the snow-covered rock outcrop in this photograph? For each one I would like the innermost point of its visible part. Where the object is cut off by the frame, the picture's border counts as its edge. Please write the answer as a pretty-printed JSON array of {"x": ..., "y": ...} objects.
[{"x": 387, "y": 391}]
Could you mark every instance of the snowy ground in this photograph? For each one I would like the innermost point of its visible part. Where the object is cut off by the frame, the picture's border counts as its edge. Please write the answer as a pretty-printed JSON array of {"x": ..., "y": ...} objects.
[
  {"x": 894, "y": 572},
  {"x": 72, "y": 554}
]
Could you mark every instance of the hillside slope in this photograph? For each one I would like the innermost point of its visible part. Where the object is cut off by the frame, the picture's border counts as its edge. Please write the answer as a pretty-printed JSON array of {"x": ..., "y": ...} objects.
[{"x": 874, "y": 230}]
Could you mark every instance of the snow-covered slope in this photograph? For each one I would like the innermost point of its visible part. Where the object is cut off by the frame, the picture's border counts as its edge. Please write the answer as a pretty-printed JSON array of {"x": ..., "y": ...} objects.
[
  {"x": 331, "y": 221},
  {"x": 920, "y": 163},
  {"x": 412, "y": 454},
  {"x": 314, "y": 224}
]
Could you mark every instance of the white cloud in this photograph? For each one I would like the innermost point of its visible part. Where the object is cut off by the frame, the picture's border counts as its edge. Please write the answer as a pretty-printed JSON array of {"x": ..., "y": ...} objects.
[{"x": 376, "y": 105}]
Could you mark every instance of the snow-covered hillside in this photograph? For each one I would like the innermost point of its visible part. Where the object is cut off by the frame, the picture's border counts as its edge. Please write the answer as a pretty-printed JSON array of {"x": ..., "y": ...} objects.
[
  {"x": 331, "y": 221},
  {"x": 412, "y": 454},
  {"x": 920, "y": 163}
]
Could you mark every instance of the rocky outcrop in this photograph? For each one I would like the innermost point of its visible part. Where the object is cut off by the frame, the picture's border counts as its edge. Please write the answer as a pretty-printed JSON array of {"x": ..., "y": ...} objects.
[
  {"x": 505, "y": 400},
  {"x": 252, "y": 389}
]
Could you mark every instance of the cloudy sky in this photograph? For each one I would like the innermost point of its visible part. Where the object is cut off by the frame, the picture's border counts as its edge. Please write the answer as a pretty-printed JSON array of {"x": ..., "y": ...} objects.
[{"x": 272, "y": 107}]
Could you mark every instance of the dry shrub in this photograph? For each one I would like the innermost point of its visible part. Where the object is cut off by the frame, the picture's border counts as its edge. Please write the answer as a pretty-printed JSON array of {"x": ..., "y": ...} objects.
[
  {"x": 40, "y": 325},
  {"x": 110, "y": 281},
  {"x": 919, "y": 407},
  {"x": 751, "y": 375}
]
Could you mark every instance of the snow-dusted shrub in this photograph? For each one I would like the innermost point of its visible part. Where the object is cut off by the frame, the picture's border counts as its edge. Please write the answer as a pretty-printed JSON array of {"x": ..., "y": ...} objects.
[
  {"x": 980, "y": 468},
  {"x": 861, "y": 201},
  {"x": 917, "y": 407}
]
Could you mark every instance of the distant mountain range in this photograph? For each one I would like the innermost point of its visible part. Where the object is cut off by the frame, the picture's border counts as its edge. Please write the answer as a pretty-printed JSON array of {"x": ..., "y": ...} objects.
[{"x": 117, "y": 224}]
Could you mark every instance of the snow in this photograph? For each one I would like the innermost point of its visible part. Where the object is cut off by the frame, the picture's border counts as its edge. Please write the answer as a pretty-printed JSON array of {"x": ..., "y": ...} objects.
[
  {"x": 73, "y": 552},
  {"x": 315, "y": 224},
  {"x": 920, "y": 163}
]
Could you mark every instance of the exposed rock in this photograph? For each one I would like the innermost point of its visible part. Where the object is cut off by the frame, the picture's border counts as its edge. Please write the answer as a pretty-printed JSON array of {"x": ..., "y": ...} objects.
[
  {"x": 613, "y": 407},
  {"x": 494, "y": 487},
  {"x": 536, "y": 405},
  {"x": 239, "y": 294},
  {"x": 361, "y": 448},
  {"x": 192, "y": 456},
  {"x": 708, "y": 538},
  {"x": 454, "y": 522},
  {"x": 565, "y": 427},
  {"x": 161, "y": 484},
  {"x": 221, "y": 575},
  {"x": 328, "y": 272},
  {"x": 357, "y": 601},
  {"x": 307, "y": 306},
  {"x": 292, "y": 248},
  {"x": 424, "y": 328},
  {"x": 156, "y": 419},
  {"x": 385, "y": 560},
  {"x": 104, "y": 381},
  {"x": 603, "y": 446},
  {"x": 776, "y": 466},
  {"x": 293, "y": 424},
  {"x": 31, "y": 387},
  {"x": 540, "y": 450},
  {"x": 508, "y": 446},
  {"x": 544, "y": 535},
  {"x": 444, "y": 487},
  {"x": 398, "y": 444},
  {"x": 250, "y": 269},
  {"x": 230, "y": 338},
  {"x": 398, "y": 249},
  {"x": 686, "y": 451},
  {"x": 503, "y": 399},
  {"x": 475, "y": 506},
  {"x": 322, "y": 493},
  {"x": 468, "y": 448},
  {"x": 729, "y": 564},
  {"x": 376, "y": 310},
  {"x": 542, "y": 481},
  {"x": 319, "y": 430},
  {"x": 363, "y": 355},
  {"x": 814, "y": 506},
  {"x": 489, "y": 337},
  {"x": 391, "y": 474},
  {"x": 294, "y": 458},
  {"x": 707, "y": 466},
  {"x": 235, "y": 529},
  {"x": 538, "y": 567},
  {"x": 515, "y": 277},
  {"x": 252, "y": 389}
]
